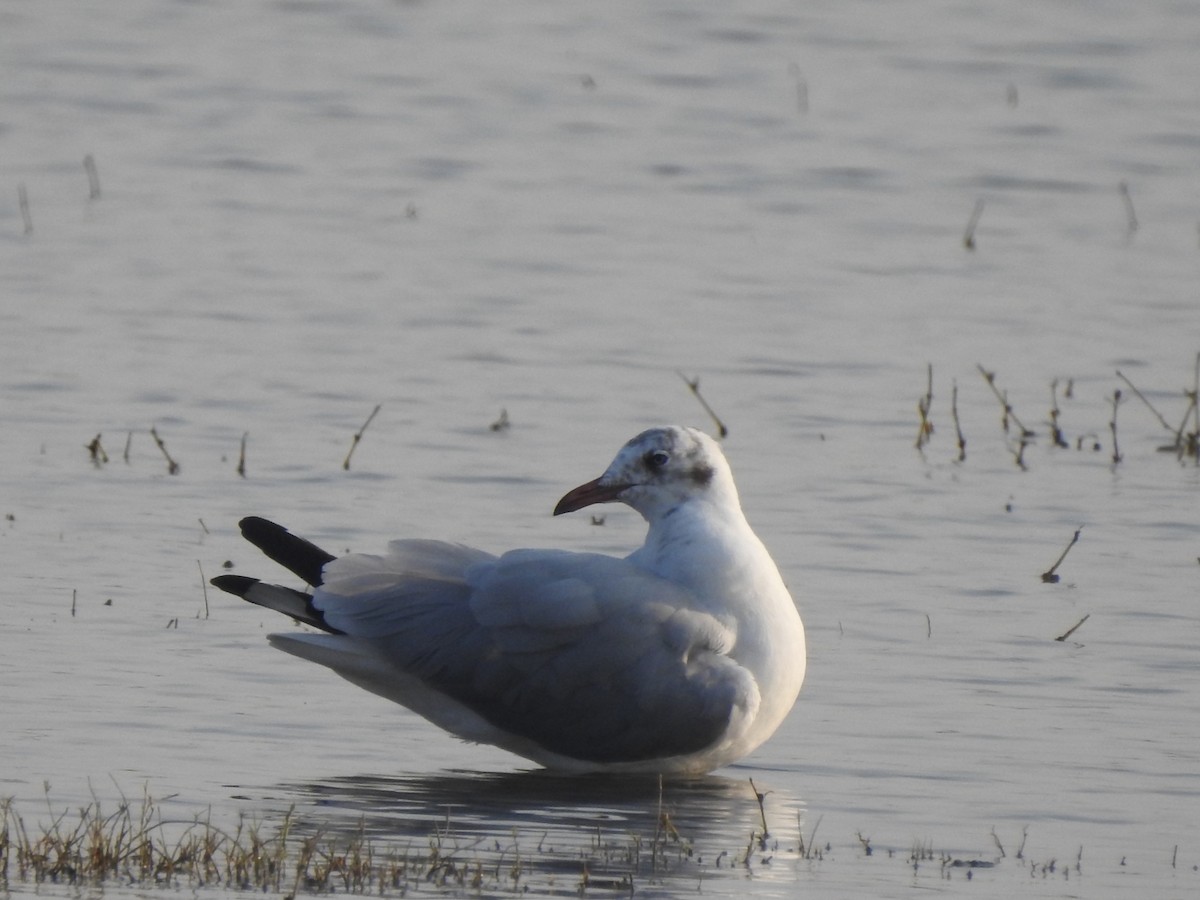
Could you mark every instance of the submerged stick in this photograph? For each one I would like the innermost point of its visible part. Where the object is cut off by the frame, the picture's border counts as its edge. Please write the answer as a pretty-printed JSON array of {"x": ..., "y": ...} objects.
[
  {"x": 1070, "y": 631},
  {"x": 1049, "y": 575},
  {"x": 358, "y": 435},
  {"x": 694, "y": 384}
]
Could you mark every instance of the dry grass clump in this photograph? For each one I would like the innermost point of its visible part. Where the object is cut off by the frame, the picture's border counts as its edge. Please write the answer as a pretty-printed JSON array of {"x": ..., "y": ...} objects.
[{"x": 135, "y": 846}]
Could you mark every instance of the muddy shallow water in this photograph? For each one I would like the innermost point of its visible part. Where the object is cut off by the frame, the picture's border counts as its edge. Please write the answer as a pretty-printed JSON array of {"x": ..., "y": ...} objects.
[{"x": 306, "y": 210}]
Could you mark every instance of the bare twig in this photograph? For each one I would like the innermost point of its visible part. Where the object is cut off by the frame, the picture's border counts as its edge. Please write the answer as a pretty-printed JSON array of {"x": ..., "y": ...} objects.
[
  {"x": 358, "y": 436},
  {"x": 1049, "y": 575},
  {"x": 1070, "y": 631},
  {"x": 694, "y": 384}
]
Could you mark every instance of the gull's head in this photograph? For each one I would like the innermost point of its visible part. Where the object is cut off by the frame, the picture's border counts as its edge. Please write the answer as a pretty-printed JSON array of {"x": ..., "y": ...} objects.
[{"x": 658, "y": 471}]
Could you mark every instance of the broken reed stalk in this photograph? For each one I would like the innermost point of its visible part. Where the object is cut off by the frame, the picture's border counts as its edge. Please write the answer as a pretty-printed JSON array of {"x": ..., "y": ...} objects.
[
  {"x": 128, "y": 444},
  {"x": 1070, "y": 631},
  {"x": 962, "y": 441},
  {"x": 1049, "y": 575},
  {"x": 172, "y": 466},
  {"x": 241, "y": 466},
  {"x": 89, "y": 166},
  {"x": 694, "y": 385},
  {"x": 924, "y": 404},
  {"x": 359, "y": 434},
  {"x": 969, "y": 234},
  {"x": 1116, "y": 401}
]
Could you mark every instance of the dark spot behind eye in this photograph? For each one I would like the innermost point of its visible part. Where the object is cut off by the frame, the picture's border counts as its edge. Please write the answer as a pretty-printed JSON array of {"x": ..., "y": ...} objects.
[{"x": 702, "y": 474}]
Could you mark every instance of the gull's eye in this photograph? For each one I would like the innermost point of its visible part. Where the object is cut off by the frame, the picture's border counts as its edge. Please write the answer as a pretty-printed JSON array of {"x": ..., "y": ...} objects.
[{"x": 656, "y": 459}]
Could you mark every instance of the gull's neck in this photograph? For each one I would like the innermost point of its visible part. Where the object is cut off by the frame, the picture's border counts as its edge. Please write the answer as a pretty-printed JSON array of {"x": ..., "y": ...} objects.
[{"x": 704, "y": 544}]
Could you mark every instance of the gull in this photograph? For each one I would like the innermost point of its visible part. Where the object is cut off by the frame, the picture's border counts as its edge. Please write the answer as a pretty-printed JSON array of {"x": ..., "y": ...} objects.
[{"x": 680, "y": 658}]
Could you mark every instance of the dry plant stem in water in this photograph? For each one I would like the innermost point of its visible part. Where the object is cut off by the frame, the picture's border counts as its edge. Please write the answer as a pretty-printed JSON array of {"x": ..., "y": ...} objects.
[
  {"x": 1050, "y": 576},
  {"x": 924, "y": 404},
  {"x": 359, "y": 435},
  {"x": 962, "y": 441},
  {"x": 969, "y": 234},
  {"x": 694, "y": 385},
  {"x": 172, "y": 466}
]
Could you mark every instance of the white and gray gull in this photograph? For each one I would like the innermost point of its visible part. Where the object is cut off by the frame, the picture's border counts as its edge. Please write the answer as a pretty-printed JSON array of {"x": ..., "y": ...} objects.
[{"x": 680, "y": 658}]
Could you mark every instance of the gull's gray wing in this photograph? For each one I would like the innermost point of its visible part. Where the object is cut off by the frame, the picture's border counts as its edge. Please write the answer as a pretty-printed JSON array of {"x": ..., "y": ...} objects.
[{"x": 585, "y": 655}]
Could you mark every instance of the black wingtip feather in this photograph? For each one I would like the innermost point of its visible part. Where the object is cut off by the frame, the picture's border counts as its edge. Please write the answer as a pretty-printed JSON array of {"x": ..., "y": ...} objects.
[
  {"x": 288, "y": 601},
  {"x": 303, "y": 558},
  {"x": 234, "y": 584}
]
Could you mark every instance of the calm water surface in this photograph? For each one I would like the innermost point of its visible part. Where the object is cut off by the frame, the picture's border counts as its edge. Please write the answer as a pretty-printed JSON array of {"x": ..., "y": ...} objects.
[{"x": 308, "y": 209}]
